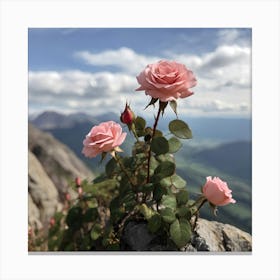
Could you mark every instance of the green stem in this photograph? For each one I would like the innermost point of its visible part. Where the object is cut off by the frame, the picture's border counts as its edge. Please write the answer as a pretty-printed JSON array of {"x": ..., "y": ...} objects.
[
  {"x": 117, "y": 159},
  {"x": 134, "y": 132},
  {"x": 201, "y": 204},
  {"x": 150, "y": 150}
]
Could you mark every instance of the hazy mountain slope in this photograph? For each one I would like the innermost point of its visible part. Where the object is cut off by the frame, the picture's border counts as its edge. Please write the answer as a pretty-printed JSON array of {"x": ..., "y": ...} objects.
[
  {"x": 59, "y": 162},
  {"x": 238, "y": 214},
  {"x": 202, "y": 156},
  {"x": 52, "y": 168},
  {"x": 232, "y": 158}
]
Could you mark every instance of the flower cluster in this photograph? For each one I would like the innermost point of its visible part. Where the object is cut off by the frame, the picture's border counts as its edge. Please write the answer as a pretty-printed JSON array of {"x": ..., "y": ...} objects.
[{"x": 144, "y": 186}]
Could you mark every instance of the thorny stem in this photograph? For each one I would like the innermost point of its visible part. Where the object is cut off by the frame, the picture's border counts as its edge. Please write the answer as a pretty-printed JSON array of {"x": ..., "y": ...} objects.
[
  {"x": 117, "y": 159},
  {"x": 130, "y": 214},
  {"x": 197, "y": 212},
  {"x": 150, "y": 150}
]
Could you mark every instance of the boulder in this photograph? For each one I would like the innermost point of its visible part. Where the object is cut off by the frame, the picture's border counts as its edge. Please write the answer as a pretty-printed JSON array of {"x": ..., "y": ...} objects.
[
  {"x": 43, "y": 199},
  {"x": 208, "y": 236}
]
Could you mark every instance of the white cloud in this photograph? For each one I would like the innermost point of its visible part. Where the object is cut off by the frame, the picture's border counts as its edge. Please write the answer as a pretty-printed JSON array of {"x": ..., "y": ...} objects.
[
  {"x": 224, "y": 82},
  {"x": 124, "y": 58}
]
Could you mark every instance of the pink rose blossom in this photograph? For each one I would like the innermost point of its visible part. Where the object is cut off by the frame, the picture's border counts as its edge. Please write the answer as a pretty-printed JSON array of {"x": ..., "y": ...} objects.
[
  {"x": 217, "y": 192},
  {"x": 103, "y": 138},
  {"x": 166, "y": 80}
]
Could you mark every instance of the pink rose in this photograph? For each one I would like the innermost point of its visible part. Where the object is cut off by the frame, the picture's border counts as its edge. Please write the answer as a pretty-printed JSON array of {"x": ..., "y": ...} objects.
[
  {"x": 103, "y": 138},
  {"x": 217, "y": 192},
  {"x": 166, "y": 80}
]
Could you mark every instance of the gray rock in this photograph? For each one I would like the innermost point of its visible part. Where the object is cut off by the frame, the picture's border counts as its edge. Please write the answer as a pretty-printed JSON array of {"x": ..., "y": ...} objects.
[
  {"x": 136, "y": 237},
  {"x": 208, "y": 236},
  {"x": 43, "y": 196},
  {"x": 52, "y": 167},
  {"x": 218, "y": 237},
  {"x": 59, "y": 162}
]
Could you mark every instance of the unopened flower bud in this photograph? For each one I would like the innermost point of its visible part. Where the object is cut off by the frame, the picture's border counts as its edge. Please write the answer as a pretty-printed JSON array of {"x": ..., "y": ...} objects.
[
  {"x": 127, "y": 116},
  {"x": 68, "y": 196},
  {"x": 78, "y": 181},
  {"x": 52, "y": 222},
  {"x": 80, "y": 191}
]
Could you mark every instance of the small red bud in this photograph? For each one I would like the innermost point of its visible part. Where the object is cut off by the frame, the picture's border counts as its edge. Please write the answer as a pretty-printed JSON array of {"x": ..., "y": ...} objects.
[
  {"x": 52, "y": 222},
  {"x": 80, "y": 190},
  {"x": 68, "y": 196},
  {"x": 78, "y": 181},
  {"x": 127, "y": 116}
]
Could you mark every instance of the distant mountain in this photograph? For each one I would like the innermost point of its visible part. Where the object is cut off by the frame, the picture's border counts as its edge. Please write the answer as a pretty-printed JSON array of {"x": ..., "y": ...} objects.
[
  {"x": 215, "y": 129},
  {"x": 53, "y": 120},
  {"x": 232, "y": 158},
  {"x": 220, "y": 147}
]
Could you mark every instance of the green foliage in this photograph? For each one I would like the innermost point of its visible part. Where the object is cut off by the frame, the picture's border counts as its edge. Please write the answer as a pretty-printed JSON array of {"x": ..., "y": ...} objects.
[
  {"x": 174, "y": 145},
  {"x": 159, "y": 145},
  {"x": 141, "y": 187},
  {"x": 180, "y": 129},
  {"x": 180, "y": 232},
  {"x": 154, "y": 223}
]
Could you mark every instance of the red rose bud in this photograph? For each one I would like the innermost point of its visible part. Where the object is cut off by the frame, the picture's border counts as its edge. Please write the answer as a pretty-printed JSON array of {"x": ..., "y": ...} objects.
[
  {"x": 80, "y": 191},
  {"x": 68, "y": 196},
  {"x": 127, "y": 116},
  {"x": 52, "y": 222},
  {"x": 78, "y": 181}
]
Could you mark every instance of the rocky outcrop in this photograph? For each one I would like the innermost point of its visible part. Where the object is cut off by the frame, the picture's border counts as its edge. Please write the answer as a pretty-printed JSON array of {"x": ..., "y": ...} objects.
[
  {"x": 52, "y": 168},
  {"x": 43, "y": 199},
  {"x": 59, "y": 162},
  {"x": 208, "y": 236}
]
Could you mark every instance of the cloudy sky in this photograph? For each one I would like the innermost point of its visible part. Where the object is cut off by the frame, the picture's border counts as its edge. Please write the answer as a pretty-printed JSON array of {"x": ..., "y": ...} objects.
[{"x": 93, "y": 70}]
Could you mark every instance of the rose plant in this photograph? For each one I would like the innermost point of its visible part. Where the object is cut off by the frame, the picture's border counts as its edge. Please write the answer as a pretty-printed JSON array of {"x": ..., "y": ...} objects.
[{"x": 143, "y": 186}]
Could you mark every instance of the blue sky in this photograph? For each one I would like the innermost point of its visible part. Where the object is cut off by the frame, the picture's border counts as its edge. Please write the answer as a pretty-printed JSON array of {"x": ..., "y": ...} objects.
[{"x": 93, "y": 70}]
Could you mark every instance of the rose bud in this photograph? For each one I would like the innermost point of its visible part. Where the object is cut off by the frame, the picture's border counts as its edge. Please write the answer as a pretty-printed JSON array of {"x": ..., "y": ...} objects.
[
  {"x": 217, "y": 192},
  {"x": 127, "y": 116},
  {"x": 80, "y": 191},
  {"x": 78, "y": 181},
  {"x": 52, "y": 222},
  {"x": 68, "y": 196}
]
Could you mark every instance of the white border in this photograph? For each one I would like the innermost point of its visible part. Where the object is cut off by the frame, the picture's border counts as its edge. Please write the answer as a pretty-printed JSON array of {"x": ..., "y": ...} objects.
[{"x": 17, "y": 16}]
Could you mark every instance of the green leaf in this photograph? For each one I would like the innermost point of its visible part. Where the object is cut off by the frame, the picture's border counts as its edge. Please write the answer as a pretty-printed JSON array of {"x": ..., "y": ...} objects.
[
  {"x": 95, "y": 232},
  {"x": 173, "y": 105},
  {"x": 159, "y": 145},
  {"x": 180, "y": 233},
  {"x": 140, "y": 124},
  {"x": 174, "y": 145},
  {"x": 178, "y": 182},
  {"x": 148, "y": 187},
  {"x": 90, "y": 215},
  {"x": 154, "y": 223},
  {"x": 158, "y": 133},
  {"x": 165, "y": 169},
  {"x": 185, "y": 212},
  {"x": 168, "y": 215},
  {"x": 180, "y": 129},
  {"x": 166, "y": 182},
  {"x": 182, "y": 197},
  {"x": 169, "y": 201},
  {"x": 74, "y": 217},
  {"x": 110, "y": 167},
  {"x": 159, "y": 191},
  {"x": 146, "y": 211},
  {"x": 108, "y": 184}
]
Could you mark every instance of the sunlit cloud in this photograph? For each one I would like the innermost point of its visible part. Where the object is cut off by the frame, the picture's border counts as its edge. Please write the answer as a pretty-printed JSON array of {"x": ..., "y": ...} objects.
[{"x": 223, "y": 74}]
